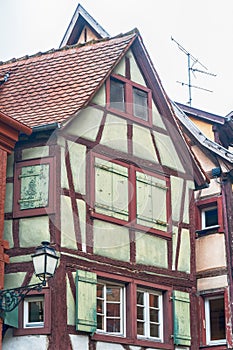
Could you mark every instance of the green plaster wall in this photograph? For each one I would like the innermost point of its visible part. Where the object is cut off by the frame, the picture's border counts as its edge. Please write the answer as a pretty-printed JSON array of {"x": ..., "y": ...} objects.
[
  {"x": 156, "y": 117},
  {"x": 34, "y": 230},
  {"x": 78, "y": 166},
  {"x": 100, "y": 97},
  {"x": 120, "y": 68},
  {"x": 111, "y": 240},
  {"x": 9, "y": 198},
  {"x": 82, "y": 221},
  {"x": 14, "y": 280},
  {"x": 68, "y": 238},
  {"x": 86, "y": 124},
  {"x": 184, "y": 254},
  {"x": 168, "y": 153},
  {"x": 20, "y": 258},
  {"x": 174, "y": 245},
  {"x": 115, "y": 133},
  {"x": 8, "y": 232},
  {"x": 70, "y": 304},
  {"x": 10, "y": 165},
  {"x": 151, "y": 250},
  {"x": 64, "y": 178},
  {"x": 135, "y": 72},
  {"x": 35, "y": 152},
  {"x": 189, "y": 185},
  {"x": 176, "y": 195},
  {"x": 142, "y": 144}
]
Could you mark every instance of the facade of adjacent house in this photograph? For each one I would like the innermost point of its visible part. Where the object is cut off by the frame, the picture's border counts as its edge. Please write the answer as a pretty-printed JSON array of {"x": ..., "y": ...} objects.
[
  {"x": 107, "y": 177},
  {"x": 210, "y": 137}
]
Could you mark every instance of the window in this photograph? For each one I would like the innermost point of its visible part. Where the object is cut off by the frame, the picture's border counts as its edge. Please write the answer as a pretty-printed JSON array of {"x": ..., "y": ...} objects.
[
  {"x": 149, "y": 315},
  {"x": 130, "y": 99},
  {"x": 125, "y": 192},
  {"x": 34, "y": 187},
  {"x": 110, "y": 308},
  {"x": 215, "y": 320},
  {"x": 34, "y": 312},
  {"x": 209, "y": 217}
]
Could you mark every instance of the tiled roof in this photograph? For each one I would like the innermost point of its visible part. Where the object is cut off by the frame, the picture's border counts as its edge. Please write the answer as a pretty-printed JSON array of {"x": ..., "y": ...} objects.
[{"x": 50, "y": 87}]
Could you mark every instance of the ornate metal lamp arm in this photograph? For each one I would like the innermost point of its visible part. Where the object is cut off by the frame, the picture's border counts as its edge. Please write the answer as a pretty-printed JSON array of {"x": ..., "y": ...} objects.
[{"x": 10, "y": 298}]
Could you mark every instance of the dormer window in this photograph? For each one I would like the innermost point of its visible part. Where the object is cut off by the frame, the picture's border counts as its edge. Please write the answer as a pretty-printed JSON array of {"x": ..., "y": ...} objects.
[{"x": 129, "y": 99}]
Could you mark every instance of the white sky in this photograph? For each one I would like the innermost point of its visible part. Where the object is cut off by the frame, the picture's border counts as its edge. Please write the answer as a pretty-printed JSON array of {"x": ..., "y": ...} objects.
[{"x": 203, "y": 27}]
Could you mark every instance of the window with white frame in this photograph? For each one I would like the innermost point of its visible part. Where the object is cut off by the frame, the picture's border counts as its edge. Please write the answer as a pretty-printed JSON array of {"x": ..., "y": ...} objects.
[
  {"x": 33, "y": 315},
  {"x": 110, "y": 308},
  {"x": 149, "y": 315},
  {"x": 209, "y": 217},
  {"x": 215, "y": 320}
]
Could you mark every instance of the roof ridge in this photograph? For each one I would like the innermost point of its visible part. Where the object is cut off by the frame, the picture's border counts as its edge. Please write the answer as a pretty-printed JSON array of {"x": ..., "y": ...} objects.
[{"x": 134, "y": 31}]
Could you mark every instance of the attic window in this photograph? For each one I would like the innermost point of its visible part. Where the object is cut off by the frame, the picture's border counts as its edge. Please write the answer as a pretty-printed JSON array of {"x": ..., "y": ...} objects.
[
  {"x": 140, "y": 105},
  {"x": 117, "y": 95}
]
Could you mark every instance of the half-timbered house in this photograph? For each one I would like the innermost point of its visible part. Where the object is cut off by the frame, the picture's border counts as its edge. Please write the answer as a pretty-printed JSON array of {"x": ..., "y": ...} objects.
[{"x": 108, "y": 178}]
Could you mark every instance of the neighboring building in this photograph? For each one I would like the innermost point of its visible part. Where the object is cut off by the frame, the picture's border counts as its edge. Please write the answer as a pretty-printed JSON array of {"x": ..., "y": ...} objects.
[
  {"x": 214, "y": 220},
  {"x": 107, "y": 177}
]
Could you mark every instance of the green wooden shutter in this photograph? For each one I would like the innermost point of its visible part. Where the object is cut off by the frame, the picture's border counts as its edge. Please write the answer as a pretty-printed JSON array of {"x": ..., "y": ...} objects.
[
  {"x": 181, "y": 316},
  {"x": 86, "y": 301},
  {"x": 11, "y": 318}
]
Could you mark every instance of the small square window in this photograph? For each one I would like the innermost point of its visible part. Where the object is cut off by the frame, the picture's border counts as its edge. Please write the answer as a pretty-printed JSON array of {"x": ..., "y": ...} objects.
[
  {"x": 209, "y": 217},
  {"x": 34, "y": 312},
  {"x": 215, "y": 320}
]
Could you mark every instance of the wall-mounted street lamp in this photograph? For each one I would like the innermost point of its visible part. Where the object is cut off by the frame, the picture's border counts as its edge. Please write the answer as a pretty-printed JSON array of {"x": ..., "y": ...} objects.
[{"x": 45, "y": 261}]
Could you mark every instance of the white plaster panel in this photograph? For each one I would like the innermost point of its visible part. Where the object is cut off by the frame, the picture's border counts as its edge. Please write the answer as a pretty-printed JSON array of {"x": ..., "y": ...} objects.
[
  {"x": 134, "y": 348},
  {"x": 214, "y": 188},
  {"x": 28, "y": 342},
  {"x": 174, "y": 245},
  {"x": 82, "y": 221},
  {"x": 86, "y": 124},
  {"x": 111, "y": 240},
  {"x": 212, "y": 283},
  {"x": 156, "y": 117},
  {"x": 79, "y": 342},
  {"x": 167, "y": 151},
  {"x": 68, "y": 238},
  {"x": 35, "y": 152},
  {"x": 143, "y": 146},
  {"x": 34, "y": 230},
  {"x": 176, "y": 195},
  {"x": 115, "y": 133},
  {"x": 120, "y": 68},
  {"x": 151, "y": 250},
  {"x": 20, "y": 258},
  {"x": 78, "y": 166},
  {"x": 210, "y": 252},
  {"x": 184, "y": 253},
  {"x": 9, "y": 198},
  {"x": 135, "y": 72},
  {"x": 10, "y": 165},
  {"x": 108, "y": 346},
  {"x": 70, "y": 304},
  {"x": 186, "y": 218},
  {"x": 100, "y": 97},
  {"x": 8, "y": 232},
  {"x": 64, "y": 178},
  {"x": 13, "y": 280}
]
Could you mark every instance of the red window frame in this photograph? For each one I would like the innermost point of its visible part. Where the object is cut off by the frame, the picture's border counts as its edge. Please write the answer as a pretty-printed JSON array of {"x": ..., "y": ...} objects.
[
  {"x": 47, "y": 315},
  {"x": 205, "y": 204},
  {"x": 132, "y": 210},
  {"x": 131, "y": 337},
  {"x": 50, "y": 208},
  {"x": 128, "y": 113}
]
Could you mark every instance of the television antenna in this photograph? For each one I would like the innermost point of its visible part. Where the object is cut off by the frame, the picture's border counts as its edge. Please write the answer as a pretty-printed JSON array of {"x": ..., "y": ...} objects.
[{"x": 191, "y": 62}]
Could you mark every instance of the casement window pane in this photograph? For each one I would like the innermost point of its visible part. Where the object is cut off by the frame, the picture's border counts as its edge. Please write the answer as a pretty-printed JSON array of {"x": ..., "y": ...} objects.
[
  {"x": 151, "y": 201},
  {"x": 209, "y": 217},
  {"x": 34, "y": 190},
  {"x": 140, "y": 328},
  {"x": 154, "y": 330},
  {"x": 36, "y": 311},
  {"x": 140, "y": 104},
  {"x": 110, "y": 314},
  {"x": 117, "y": 95},
  {"x": 154, "y": 315},
  {"x": 154, "y": 300},
  {"x": 217, "y": 319},
  {"x": 111, "y": 189}
]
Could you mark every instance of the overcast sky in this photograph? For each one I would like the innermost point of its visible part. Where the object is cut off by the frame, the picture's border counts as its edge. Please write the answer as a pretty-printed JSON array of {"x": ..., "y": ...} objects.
[{"x": 204, "y": 28}]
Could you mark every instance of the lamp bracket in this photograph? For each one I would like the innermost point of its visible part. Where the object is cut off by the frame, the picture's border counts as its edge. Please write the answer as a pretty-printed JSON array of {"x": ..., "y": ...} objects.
[{"x": 10, "y": 298}]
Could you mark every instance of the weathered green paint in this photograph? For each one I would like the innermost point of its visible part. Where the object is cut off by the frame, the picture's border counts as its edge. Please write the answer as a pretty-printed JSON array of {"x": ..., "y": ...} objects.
[
  {"x": 176, "y": 196},
  {"x": 184, "y": 253},
  {"x": 143, "y": 146},
  {"x": 35, "y": 152},
  {"x": 70, "y": 304},
  {"x": 12, "y": 318},
  {"x": 111, "y": 240},
  {"x": 181, "y": 316},
  {"x": 68, "y": 238},
  {"x": 82, "y": 221},
  {"x": 13, "y": 280},
  {"x": 20, "y": 258},
  {"x": 115, "y": 133},
  {"x": 168, "y": 153},
  {"x": 189, "y": 185},
  {"x": 9, "y": 198},
  {"x": 100, "y": 97},
  {"x": 77, "y": 154},
  {"x": 174, "y": 245},
  {"x": 86, "y": 301},
  {"x": 64, "y": 177},
  {"x": 151, "y": 250},
  {"x": 8, "y": 232},
  {"x": 34, "y": 230},
  {"x": 86, "y": 124}
]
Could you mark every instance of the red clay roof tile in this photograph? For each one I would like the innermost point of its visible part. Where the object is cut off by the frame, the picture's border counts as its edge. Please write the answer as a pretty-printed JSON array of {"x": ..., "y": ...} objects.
[{"x": 50, "y": 87}]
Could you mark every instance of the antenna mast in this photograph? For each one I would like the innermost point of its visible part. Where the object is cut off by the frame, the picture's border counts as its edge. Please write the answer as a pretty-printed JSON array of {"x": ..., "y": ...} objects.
[{"x": 191, "y": 62}]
